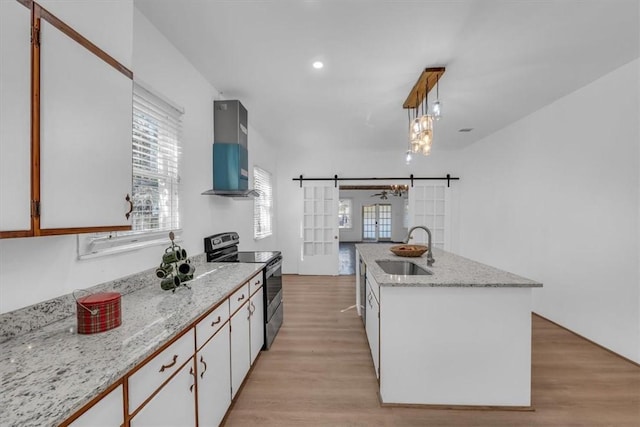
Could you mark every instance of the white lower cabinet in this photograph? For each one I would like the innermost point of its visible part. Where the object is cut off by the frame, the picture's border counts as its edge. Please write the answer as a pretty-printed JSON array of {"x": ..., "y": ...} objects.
[
  {"x": 240, "y": 347},
  {"x": 210, "y": 360},
  {"x": 214, "y": 379},
  {"x": 373, "y": 327},
  {"x": 107, "y": 412},
  {"x": 174, "y": 405},
  {"x": 257, "y": 323},
  {"x": 146, "y": 380}
]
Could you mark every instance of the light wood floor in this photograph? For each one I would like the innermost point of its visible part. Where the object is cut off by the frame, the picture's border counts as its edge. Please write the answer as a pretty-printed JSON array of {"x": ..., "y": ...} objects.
[{"x": 319, "y": 373}]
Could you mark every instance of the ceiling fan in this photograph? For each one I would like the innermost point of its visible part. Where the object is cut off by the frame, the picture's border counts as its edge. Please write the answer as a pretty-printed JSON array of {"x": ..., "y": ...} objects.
[
  {"x": 394, "y": 190},
  {"x": 382, "y": 194}
]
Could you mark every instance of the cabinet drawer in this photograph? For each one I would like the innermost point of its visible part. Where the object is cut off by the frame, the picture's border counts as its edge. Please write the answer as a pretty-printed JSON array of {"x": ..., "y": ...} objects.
[
  {"x": 255, "y": 283},
  {"x": 212, "y": 323},
  {"x": 238, "y": 298},
  {"x": 159, "y": 369}
]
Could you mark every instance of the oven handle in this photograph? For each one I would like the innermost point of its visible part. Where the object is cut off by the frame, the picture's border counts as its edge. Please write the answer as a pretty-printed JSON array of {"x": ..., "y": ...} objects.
[{"x": 273, "y": 269}]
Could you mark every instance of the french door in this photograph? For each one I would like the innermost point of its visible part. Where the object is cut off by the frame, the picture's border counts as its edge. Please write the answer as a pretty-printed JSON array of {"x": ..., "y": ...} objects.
[
  {"x": 376, "y": 222},
  {"x": 319, "y": 231}
]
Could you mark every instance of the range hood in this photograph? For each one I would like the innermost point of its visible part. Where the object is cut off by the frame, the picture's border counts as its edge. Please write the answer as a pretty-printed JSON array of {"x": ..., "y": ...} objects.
[{"x": 230, "y": 151}]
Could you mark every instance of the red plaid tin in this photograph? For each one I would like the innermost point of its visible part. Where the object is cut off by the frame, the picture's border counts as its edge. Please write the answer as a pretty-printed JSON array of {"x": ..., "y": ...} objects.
[{"x": 98, "y": 312}]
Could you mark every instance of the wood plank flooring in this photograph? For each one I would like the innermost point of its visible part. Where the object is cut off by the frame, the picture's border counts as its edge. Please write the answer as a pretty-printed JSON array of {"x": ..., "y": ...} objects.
[{"x": 319, "y": 373}]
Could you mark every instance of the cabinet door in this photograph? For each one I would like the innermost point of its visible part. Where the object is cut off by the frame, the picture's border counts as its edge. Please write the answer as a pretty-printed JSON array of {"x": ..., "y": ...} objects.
[
  {"x": 108, "y": 412},
  {"x": 240, "y": 348},
  {"x": 372, "y": 328},
  {"x": 15, "y": 116},
  {"x": 257, "y": 323},
  {"x": 85, "y": 136},
  {"x": 174, "y": 405},
  {"x": 214, "y": 379}
]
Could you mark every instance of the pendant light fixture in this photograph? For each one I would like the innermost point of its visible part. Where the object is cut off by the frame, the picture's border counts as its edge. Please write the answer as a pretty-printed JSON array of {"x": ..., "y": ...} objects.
[{"x": 421, "y": 126}]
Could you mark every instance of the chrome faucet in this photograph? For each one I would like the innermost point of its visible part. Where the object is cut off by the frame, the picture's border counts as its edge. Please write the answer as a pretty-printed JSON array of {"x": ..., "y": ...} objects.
[{"x": 430, "y": 259}]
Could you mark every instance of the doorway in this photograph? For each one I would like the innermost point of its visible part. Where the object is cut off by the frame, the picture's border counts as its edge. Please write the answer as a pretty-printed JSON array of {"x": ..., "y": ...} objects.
[{"x": 386, "y": 221}]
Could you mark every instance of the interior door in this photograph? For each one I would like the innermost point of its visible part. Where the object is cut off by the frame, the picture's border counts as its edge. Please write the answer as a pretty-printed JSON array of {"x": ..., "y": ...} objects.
[
  {"x": 430, "y": 205},
  {"x": 376, "y": 222},
  {"x": 319, "y": 230}
]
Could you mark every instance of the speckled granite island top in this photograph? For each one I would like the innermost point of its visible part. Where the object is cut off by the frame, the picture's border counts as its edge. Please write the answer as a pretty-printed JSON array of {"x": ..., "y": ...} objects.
[
  {"x": 50, "y": 373},
  {"x": 449, "y": 270}
]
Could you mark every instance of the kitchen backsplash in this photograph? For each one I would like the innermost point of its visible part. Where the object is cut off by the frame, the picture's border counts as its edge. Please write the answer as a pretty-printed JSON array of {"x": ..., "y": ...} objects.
[{"x": 27, "y": 319}]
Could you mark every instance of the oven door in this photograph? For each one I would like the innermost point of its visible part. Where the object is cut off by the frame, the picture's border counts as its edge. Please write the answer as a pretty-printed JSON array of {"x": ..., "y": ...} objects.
[
  {"x": 274, "y": 310},
  {"x": 273, "y": 279}
]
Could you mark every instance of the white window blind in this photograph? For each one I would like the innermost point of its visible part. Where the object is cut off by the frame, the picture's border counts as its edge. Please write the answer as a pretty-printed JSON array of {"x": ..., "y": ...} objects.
[
  {"x": 263, "y": 205},
  {"x": 157, "y": 129},
  {"x": 156, "y": 137}
]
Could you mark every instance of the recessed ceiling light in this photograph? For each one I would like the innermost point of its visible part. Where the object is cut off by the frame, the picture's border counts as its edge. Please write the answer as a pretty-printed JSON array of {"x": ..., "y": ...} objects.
[
  {"x": 317, "y": 65},
  {"x": 465, "y": 130}
]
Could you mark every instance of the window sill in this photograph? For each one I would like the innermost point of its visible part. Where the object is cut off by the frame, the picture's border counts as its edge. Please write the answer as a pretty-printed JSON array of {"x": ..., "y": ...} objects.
[{"x": 96, "y": 247}]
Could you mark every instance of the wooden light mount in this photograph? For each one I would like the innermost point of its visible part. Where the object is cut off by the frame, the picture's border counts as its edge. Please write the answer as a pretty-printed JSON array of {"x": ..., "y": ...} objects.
[{"x": 427, "y": 80}]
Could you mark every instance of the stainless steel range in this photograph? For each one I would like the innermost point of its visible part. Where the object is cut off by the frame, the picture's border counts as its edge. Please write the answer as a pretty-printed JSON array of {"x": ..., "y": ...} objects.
[{"x": 223, "y": 247}]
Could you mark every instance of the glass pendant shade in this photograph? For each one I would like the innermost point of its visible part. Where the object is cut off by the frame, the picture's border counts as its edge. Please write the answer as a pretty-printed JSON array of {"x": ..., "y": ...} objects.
[
  {"x": 436, "y": 109},
  {"x": 416, "y": 125},
  {"x": 426, "y": 123},
  {"x": 408, "y": 157}
]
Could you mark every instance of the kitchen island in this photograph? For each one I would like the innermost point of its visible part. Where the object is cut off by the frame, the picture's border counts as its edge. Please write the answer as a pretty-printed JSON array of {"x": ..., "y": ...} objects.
[{"x": 460, "y": 336}]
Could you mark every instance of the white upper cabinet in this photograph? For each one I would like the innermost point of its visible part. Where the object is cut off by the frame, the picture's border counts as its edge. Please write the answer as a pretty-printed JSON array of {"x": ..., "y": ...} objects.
[
  {"x": 15, "y": 116},
  {"x": 107, "y": 24},
  {"x": 85, "y": 136},
  {"x": 65, "y": 117}
]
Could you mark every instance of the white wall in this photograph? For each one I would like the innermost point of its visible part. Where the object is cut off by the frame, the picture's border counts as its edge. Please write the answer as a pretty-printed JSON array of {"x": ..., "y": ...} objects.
[
  {"x": 555, "y": 197},
  {"x": 350, "y": 164},
  {"x": 360, "y": 198},
  {"x": 36, "y": 269}
]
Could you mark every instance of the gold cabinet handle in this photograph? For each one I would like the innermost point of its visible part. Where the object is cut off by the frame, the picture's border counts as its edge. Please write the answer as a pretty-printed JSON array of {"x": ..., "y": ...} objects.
[
  {"x": 215, "y": 322},
  {"x": 173, "y": 362},
  {"x": 194, "y": 379},
  {"x": 241, "y": 298},
  {"x": 128, "y": 199}
]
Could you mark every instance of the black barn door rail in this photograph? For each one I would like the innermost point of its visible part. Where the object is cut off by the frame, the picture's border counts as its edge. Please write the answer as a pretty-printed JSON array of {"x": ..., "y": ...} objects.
[{"x": 411, "y": 178}]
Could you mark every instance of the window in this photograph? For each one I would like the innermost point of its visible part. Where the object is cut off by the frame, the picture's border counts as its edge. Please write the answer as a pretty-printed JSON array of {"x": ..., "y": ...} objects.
[
  {"x": 156, "y": 154},
  {"x": 345, "y": 210},
  {"x": 263, "y": 205},
  {"x": 157, "y": 125}
]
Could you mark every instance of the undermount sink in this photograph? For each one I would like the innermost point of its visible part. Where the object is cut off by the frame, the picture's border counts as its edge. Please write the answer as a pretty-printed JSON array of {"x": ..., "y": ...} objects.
[{"x": 405, "y": 268}]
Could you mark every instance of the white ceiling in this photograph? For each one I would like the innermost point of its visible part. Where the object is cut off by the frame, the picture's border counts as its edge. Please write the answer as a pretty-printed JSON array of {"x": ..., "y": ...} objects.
[{"x": 504, "y": 59}]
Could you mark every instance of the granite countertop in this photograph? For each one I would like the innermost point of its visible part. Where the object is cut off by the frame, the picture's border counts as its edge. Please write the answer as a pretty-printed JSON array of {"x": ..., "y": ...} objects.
[
  {"x": 50, "y": 373},
  {"x": 449, "y": 270}
]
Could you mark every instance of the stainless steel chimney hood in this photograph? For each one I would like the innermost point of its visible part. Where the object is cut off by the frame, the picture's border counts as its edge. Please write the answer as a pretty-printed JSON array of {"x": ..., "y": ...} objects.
[{"x": 230, "y": 151}]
